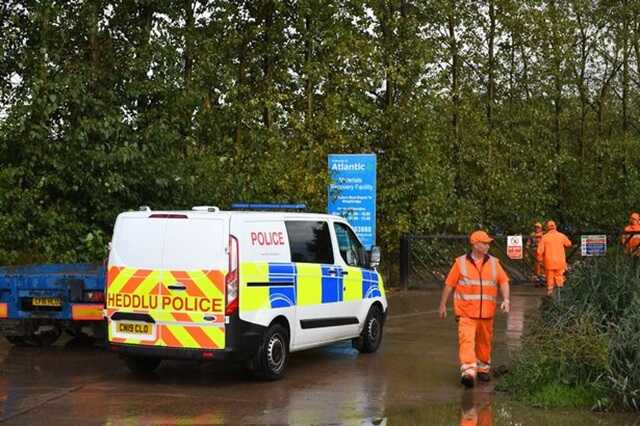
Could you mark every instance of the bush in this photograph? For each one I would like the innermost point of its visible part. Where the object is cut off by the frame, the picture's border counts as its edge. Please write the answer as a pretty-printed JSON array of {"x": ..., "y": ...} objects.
[
  {"x": 583, "y": 350},
  {"x": 624, "y": 355},
  {"x": 560, "y": 365}
]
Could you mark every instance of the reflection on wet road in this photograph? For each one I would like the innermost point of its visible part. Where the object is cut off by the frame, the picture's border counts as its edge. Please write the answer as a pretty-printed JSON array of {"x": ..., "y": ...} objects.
[{"x": 413, "y": 380}]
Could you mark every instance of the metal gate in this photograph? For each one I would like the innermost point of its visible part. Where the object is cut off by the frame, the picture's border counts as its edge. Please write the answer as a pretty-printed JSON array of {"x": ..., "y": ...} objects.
[{"x": 425, "y": 260}]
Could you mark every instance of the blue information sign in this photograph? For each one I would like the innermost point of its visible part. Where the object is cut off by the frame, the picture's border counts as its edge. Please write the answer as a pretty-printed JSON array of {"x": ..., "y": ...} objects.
[{"x": 352, "y": 193}]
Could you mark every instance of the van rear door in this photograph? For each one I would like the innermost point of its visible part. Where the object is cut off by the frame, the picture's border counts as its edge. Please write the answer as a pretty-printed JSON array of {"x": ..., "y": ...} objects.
[
  {"x": 134, "y": 277},
  {"x": 192, "y": 295},
  {"x": 166, "y": 281}
]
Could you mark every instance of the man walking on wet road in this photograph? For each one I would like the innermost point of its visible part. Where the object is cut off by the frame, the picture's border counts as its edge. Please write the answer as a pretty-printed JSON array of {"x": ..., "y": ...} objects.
[{"x": 474, "y": 279}]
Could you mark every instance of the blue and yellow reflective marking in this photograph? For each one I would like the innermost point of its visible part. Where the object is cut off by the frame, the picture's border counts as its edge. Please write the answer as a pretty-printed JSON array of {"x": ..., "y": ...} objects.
[
  {"x": 283, "y": 296},
  {"x": 352, "y": 282},
  {"x": 370, "y": 286},
  {"x": 331, "y": 284},
  {"x": 304, "y": 284},
  {"x": 309, "y": 284}
]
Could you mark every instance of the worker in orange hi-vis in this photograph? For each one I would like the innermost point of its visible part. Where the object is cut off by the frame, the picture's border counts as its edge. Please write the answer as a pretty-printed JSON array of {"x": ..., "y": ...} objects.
[
  {"x": 552, "y": 251},
  {"x": 631, "y": 242},
  {"x": 532, "y": 245},
  {"x": 474, "y": 279}
]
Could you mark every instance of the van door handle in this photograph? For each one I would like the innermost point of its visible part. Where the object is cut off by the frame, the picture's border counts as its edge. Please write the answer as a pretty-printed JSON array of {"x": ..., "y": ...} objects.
[
  {"x": 332, "y": 271},
  {"x": 177, "y": 287},
  {"x": 345, "y": 273}
]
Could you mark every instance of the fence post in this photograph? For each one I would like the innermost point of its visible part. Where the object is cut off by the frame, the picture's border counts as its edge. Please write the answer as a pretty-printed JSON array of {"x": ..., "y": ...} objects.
[{"x": 404, "y": 262}]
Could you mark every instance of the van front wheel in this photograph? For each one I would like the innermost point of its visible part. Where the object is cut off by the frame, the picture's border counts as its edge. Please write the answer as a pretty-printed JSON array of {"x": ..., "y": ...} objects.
[
  {"x": 142, "y": 365},
  {"x": 271, "y": 359},
  {"x": 371, "y": 337}
]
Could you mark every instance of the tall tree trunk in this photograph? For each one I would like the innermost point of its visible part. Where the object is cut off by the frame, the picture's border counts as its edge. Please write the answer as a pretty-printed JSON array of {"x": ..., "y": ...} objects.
[
  {"x": 455, "y": 96},
  {"x": 625, "y": 68},
  {"x": 189, "y": 17},
  {"x": 557, "y": 74},
  {"x": 583, "y": 93},
  {"x": 525, "y": 71},
  {"x": 308, "y": 54},
  {"x": 491, "y": 66},
  {"x": 385, "y": 23},
  {"x": 240, "y": 82},
  {"x": 453, "y": 46},
  {"x": 268, "y": 11}
]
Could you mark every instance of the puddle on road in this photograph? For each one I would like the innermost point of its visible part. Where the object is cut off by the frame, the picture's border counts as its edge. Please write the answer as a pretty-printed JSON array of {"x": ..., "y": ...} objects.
[
  {"x": 411, "y": 381},
  {"x": 485, "y": 409},
  {"x": 482, "y": 406}
]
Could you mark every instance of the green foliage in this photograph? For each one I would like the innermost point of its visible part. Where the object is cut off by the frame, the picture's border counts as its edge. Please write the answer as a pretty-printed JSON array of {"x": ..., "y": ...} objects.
[
  {"x": 481, "y": 113},
  {"x": 558, "y": 395},
  {"x": 583, "y": 349},
  {"x": 624, "y": 354},
  {"x": 560, "y": 365}
]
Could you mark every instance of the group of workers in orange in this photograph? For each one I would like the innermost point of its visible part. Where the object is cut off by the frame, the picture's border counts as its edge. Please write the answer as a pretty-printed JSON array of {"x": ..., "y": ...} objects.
[{"x": 476, "y": 277}]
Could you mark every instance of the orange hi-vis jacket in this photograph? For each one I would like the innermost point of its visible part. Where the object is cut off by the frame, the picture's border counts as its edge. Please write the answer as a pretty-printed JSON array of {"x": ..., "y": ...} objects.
[
  {"x": 551, "y": 250},
  {"x": 632, "y": 242},
  {"x": 476, "y": 286}
]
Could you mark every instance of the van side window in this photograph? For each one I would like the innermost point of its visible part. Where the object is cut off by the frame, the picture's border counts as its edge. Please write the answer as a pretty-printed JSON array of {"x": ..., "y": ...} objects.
[
  {"x": 351, "y": 250},
  {"x": 310, "y": 242}
]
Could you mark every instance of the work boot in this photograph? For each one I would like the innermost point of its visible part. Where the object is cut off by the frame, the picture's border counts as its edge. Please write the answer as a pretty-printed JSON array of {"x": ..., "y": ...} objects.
[
  {"x": 484, "y": 377},
  {"x": 467, "y": 381}
]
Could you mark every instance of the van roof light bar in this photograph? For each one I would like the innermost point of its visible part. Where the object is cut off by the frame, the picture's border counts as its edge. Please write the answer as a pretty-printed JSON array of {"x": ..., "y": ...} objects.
[
  {"x": 144, "y": 209},
  {"x": 213, "y": 209},
  {"x": 269, "y": 206}
]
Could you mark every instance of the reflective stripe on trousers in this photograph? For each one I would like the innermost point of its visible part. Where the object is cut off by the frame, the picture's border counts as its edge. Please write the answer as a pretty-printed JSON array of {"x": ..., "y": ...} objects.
[{"x": 474, "y": 339}]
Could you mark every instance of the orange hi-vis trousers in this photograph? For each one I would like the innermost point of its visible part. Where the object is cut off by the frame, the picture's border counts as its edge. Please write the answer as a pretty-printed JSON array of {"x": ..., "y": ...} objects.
[
  {"x": 555, "y": 278},
  {"x": 538, "y": 268},
  {"x": 474, "y": 342}
]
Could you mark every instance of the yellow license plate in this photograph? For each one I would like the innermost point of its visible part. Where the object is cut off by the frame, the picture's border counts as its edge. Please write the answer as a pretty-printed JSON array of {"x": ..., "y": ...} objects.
[
  {"x": 135, "y": 327},
  {"x": 46, "y": 301}
]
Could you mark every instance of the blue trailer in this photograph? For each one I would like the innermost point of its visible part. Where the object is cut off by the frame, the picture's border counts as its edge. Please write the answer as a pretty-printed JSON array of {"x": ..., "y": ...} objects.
[{"x": 39, "y": 302}]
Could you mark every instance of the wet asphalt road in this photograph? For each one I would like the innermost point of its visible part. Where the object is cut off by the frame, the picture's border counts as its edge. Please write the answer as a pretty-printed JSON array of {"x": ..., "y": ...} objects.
[{"x": 412, "y": 380}]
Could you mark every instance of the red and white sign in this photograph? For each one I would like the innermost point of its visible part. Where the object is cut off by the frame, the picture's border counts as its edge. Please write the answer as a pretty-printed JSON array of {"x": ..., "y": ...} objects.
[{"x": 514, "y": 246}]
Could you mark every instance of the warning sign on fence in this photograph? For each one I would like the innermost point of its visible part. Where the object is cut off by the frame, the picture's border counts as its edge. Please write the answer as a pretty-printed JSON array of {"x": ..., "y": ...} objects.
[
  {"x": 594, "y": 245},
  {"x": 514, "y": 246}
]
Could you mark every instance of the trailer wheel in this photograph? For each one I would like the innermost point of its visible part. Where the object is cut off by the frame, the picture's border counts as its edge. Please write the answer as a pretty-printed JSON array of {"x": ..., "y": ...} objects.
[{"x": 47, "y": 337}]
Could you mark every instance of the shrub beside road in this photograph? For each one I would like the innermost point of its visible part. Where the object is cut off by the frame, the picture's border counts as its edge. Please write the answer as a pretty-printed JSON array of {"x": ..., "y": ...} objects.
[{"x": 583, "y": 349}]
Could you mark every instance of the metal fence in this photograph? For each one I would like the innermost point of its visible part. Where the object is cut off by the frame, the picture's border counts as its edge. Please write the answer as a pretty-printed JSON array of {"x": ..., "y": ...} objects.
[{"x": 425, "y": 260}]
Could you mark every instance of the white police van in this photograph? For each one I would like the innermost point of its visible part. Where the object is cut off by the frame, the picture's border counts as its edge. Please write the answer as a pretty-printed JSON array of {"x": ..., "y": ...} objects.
[{"x": 245, "y": 286}]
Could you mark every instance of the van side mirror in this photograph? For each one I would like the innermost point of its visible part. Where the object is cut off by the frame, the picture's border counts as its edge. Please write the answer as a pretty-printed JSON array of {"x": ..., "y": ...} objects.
[{"x": 375, "y": 257}]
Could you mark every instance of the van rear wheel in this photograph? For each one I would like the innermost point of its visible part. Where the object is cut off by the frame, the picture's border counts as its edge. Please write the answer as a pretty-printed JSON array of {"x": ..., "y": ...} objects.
[
  {"x": 371, "y": 336},
  {"x": 272, "y": 357},
  {"x": 142, "y": 365}
]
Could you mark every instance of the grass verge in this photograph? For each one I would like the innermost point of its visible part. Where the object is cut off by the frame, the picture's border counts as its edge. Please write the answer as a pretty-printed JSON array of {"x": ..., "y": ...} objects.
[{"x": 583, "y": 348}]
